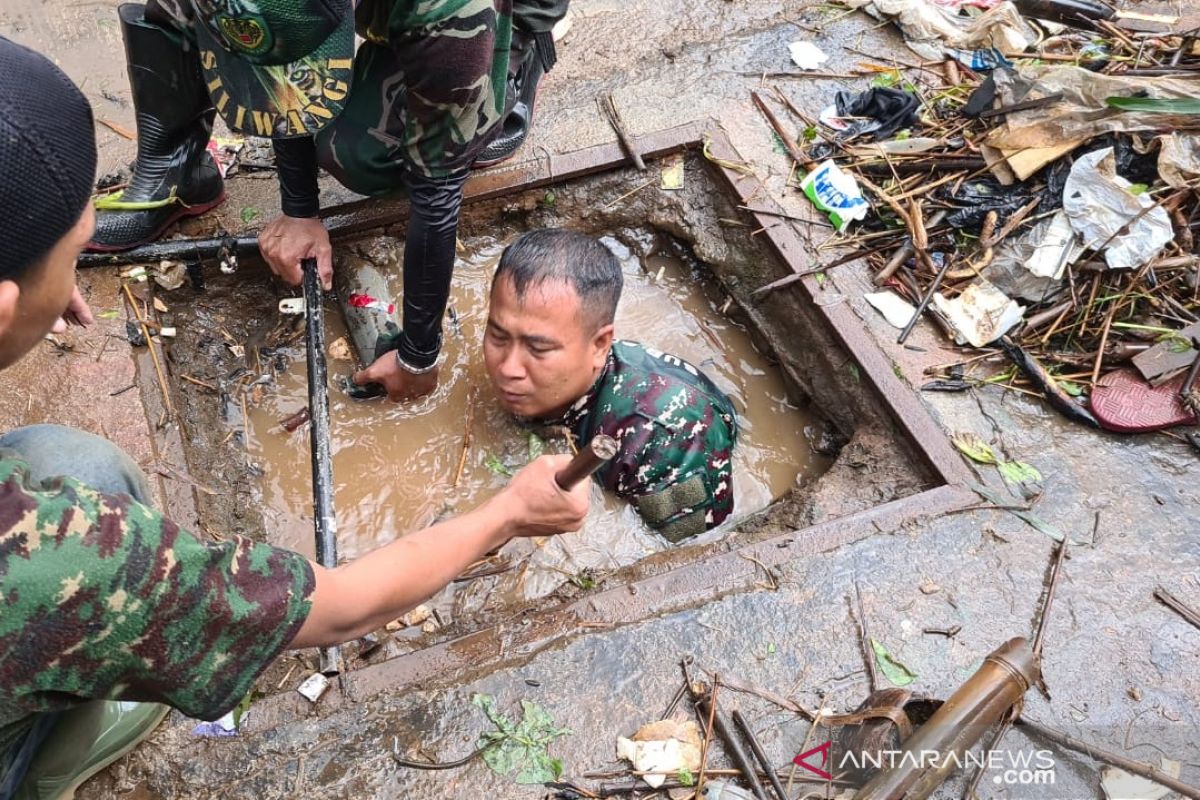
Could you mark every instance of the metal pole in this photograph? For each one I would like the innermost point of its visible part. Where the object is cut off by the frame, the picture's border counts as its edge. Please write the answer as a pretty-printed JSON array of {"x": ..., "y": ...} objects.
[
  {"x": 598, "y": 452},
  {"x": 322, "y": 455}
]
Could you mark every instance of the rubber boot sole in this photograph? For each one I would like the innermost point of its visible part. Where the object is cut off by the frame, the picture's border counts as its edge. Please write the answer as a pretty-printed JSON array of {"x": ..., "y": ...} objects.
[
  {"x": 517, "y": 149},
  {"x": 182, "y": 213}
]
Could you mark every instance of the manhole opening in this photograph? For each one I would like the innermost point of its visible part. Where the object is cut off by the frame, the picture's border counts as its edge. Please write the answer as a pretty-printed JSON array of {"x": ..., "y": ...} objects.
[{"x": 816, "y": 440}]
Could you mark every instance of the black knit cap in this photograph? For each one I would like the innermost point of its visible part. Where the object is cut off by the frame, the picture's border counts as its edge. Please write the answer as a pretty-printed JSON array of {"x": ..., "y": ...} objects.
[{"x": 47, "y": 157}]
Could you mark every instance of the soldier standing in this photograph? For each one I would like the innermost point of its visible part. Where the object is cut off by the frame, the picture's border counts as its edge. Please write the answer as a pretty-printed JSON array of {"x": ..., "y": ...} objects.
[{"x": 435, "y": 88}]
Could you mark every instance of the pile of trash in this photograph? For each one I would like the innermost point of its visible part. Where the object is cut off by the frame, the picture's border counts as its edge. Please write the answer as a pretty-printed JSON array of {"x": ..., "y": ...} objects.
[{"x": 1032, "y": 187}]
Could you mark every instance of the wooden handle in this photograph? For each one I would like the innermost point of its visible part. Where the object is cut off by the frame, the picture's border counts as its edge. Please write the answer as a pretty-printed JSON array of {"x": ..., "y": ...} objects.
[{"x": 598, "y": 452}]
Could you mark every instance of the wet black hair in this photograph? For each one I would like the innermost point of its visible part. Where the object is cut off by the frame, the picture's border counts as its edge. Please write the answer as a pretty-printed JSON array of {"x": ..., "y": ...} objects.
[{"x": 558, "y": 254}]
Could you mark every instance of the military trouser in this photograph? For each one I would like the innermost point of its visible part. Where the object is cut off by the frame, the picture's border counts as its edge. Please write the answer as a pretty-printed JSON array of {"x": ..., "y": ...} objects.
[
  {"x": 363, "y": 146},
  {"x": 51, "y": 451}
]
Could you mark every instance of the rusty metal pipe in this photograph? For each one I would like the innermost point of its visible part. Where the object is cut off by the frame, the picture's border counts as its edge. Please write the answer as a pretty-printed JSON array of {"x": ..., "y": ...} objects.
[
  {"x": 977, "y": 705},
  {"x": 598, "y": 452}
]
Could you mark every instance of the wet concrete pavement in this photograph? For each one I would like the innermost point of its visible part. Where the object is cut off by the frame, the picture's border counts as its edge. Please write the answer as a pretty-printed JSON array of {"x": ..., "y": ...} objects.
[{"x": 1119, "y": 666}]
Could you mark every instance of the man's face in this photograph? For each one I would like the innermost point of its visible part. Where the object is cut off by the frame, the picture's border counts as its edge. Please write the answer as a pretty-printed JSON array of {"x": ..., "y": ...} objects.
[
  {"x": 30, "y": 309},
  {"x": 540, "y": 352}
]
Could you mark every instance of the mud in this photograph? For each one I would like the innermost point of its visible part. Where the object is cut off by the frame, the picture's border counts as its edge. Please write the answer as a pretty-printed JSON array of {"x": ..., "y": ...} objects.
[{"x": 395, "y": 466}]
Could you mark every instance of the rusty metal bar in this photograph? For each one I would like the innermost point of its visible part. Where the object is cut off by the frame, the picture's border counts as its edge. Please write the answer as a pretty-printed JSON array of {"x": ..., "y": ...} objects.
[{"x": 598, "y": 452}]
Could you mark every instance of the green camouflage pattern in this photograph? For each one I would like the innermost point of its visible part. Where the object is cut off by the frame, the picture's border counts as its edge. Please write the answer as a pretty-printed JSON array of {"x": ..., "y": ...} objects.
[
  {"x": 673, "y": 425},
  {"x": 428, "y": 91},
  {"x": 101, "y": 597}
]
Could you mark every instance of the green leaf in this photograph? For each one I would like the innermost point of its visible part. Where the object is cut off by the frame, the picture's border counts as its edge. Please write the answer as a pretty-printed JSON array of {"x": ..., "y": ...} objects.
[
  {"x": 903, "y": 134},
  {"x": 810, "y": 133},
  {"x": 771, "y": 649},
  {"x": 1155, "y": 105},
  {"x": 493, "y": 463},
  {"x": 242, "y": 707},
  {"x": 536, "y": 446},
  {"x": 549, "y": 199},
  {"x": 893, "y": 670},
  {"x": 1018, "y": 472},
  {"x": 249, "y": 214},
  {"x": 108, "y": 313},
  {"x": 520, "y": 747},
  {"x": 583, "y": 579},
  {"x": 1138, "y": 188},
  {"x": 686, "y": 777},
  {"x": 974, "y": 448},
  {"x": 1029, "y": 518},
  {"x": 885, "y": 80},
  {"x": 1070, "y": 387}
]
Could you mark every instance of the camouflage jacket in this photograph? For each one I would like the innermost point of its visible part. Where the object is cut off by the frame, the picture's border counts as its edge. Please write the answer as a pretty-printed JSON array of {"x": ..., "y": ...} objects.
[
  {"x": 101, "y": 597},
  {"x": 676, "y": 430},
  {"x": 451, "y": 59}
]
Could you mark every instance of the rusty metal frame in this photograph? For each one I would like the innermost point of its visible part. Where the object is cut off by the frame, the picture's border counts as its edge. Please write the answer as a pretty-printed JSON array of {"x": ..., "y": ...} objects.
[{"x": 510, "y": 642}]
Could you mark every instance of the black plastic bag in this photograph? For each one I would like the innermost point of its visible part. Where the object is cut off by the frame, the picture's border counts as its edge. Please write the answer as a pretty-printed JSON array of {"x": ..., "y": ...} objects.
[{"x": 889, "y": 111}]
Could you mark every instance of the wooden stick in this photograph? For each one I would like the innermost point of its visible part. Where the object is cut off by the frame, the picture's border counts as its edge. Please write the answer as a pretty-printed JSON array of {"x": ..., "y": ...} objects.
[
  {"x": 609, "y": 107},
  {"x": 864, "y": 636},
  {"x": 1095, "y": 753},
  {"x": 1055, "y": 571},
  {"x": 158, "y": 369},
  {"x": 466, "y": 439},
  {"x": 1175, "y": 604},
  {"x": 199, "y": 382},
  {"x": 795, "y": 152},
  {"x": 709, "y": 732}
]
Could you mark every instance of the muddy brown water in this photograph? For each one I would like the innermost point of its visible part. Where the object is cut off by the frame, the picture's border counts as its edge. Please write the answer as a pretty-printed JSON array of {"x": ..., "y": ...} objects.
[{"x": 395, "y": 466}]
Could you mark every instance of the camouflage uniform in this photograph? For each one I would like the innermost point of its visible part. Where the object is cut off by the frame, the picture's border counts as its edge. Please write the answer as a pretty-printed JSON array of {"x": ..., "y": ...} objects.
[
  {"x": 104, "y": 598},
  {"x": 676, "y": 430}
]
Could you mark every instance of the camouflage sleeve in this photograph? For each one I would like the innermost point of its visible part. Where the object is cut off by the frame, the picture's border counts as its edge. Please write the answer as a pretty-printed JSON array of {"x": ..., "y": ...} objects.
[
  {"x": 679, "y": 478},
  {"x": 454, "y": 59},
  {"x": 105, "y": 598}
]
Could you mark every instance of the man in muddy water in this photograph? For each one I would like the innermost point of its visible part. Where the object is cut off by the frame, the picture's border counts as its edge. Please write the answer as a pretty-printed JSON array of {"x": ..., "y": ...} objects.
[
  {"x": 550, "y": 353},
  {"x": 437, "y": 86},
  {"x": 110, "y": 613}
]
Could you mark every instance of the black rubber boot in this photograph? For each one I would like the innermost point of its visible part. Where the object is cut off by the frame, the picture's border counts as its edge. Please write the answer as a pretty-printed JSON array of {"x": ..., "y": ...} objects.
[
  {"x": 532, "y": 57},
  {"x": 174, "y": 121}
]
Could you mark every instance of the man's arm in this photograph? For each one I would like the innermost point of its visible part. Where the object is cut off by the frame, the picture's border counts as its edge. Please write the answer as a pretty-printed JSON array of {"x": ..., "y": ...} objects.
[
  {"x": 363, "y": 595},
  {"x": 298, "y": 233},
  {"x": 429, "y": 251}
]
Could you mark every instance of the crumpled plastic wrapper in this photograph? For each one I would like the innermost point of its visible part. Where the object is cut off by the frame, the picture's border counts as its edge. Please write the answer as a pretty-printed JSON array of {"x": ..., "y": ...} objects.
[
  {"x": 1032, "y": 266},
  {"x": 929, "y": 28},
  {"x": 1100, "y": 206},
  {"x": 1179, "y": 158},
  {"x": 1082, "y": 113},
  {"x": 981, "y": 314},
  {"x": 661, "y": 749}
]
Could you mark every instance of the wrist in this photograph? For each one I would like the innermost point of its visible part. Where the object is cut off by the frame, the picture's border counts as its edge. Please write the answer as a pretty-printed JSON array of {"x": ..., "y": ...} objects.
[
  {"x": 412, "y": 369},
  {"x": 501, "y": 518}
]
